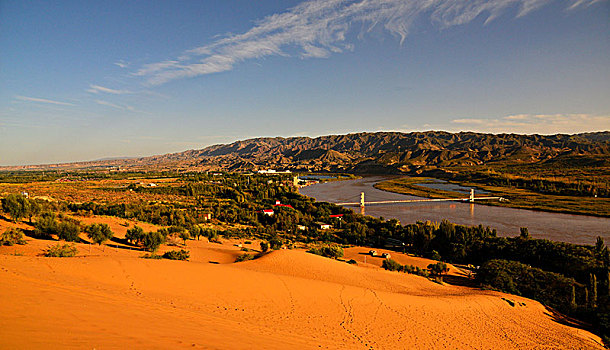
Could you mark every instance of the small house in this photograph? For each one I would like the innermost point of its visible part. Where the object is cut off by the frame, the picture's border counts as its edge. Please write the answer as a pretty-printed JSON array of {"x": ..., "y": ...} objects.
[
  {"x": 301, "y": 227},
  {"x": 323, "y": 226}
]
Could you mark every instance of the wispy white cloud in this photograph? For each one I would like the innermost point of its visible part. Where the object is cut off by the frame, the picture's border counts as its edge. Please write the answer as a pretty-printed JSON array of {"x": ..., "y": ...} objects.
[
  {"x": 110, "y": 104},
  {"x": 43, "y": 100},
  {"x": 121, "y": 64},
  {"x": 536, "y": 123},
  {"x": 97, "y": 89},
  {"x": 319, "y": 28},
  {"x": 582, "y": 3},
  {"x": 120, "y": 107}
]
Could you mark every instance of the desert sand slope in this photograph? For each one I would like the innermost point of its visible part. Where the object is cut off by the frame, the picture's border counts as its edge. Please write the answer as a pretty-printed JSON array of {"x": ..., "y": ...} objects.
[{"x": 286, "y": 299}]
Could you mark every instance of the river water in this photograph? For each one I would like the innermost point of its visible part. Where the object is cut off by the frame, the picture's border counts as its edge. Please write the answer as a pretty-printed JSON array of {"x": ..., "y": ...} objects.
[{"x": 579, "y": 229}]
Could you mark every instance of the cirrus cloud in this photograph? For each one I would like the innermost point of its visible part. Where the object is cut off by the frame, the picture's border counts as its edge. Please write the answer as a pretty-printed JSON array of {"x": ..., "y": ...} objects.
[
  {"x": 319, "y": 28},
  {"x": 43, "y": 100},
  {"x": 97, "y": 89}
]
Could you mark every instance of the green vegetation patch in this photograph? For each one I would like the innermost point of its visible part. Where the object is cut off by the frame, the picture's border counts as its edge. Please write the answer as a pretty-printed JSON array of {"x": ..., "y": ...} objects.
[
  {"x": 328, "y": 251},
  {"x": 12, "y": 236},
  {"x": 61, "y": 250}
]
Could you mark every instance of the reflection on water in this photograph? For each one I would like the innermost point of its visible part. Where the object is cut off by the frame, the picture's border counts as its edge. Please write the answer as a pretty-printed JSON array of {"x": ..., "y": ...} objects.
[{"x": 579, "y": 229}]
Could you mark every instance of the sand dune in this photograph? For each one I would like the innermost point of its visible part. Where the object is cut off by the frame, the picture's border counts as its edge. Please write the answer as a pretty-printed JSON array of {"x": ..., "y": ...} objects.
[{"x": 286, "y": 299}]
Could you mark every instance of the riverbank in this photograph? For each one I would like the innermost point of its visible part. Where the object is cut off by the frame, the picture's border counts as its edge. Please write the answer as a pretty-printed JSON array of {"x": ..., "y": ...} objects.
[{"x": 517, "y": 197}]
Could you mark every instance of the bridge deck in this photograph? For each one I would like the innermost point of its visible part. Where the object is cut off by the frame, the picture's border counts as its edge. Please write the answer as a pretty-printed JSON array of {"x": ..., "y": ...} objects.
[{"x": 424, "y": 200}]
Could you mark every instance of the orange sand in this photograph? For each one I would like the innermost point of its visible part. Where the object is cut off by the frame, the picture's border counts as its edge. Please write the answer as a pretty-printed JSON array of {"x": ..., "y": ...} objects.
[{"x": 287, "y": 299}]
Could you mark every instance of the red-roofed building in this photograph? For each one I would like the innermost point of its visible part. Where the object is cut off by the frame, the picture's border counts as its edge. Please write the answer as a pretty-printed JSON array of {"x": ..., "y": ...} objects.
[
  {"x": 267, "y": 212},
  {"x": 279, "y": 204}
]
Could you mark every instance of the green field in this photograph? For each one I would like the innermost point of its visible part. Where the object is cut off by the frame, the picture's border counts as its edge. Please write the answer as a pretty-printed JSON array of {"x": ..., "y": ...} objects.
[{"x": 517, "y": 197}]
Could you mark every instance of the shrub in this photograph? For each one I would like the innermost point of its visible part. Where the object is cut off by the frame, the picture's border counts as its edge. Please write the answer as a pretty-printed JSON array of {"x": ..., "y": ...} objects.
[
  {"x": 264, "y": 246},
  {"x": 352, "y": 262},
  {"x": 434, "y": 255},
  {"x": 330, "y": 251},
  {"x": 68, "y": 231},
  {"x": 12, "y": 236},
  {"x": 61, "y": 250},
  {"x": 17, "y": 205},
  {"x": 244, "y": 257},
  {"x": 414, "y": 270},
  {"x": 438, "y": 269},
  {"x": 196, "y": 231},
  {"x": 152, "y": 256},
  {"x": 421, "y": 272},
  {"x": 391, "y": 265},
  {"x": 211, "y": 234},
  {"x": 177, "y": 255},
  {"x": 275, "y": 244},
  {"x": 46, "y": 225},
  {"x": 408, "y": 269}
]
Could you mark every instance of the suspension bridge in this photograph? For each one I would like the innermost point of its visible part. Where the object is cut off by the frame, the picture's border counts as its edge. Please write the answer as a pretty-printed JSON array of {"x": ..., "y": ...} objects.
[{"x": 470, "y": 199}]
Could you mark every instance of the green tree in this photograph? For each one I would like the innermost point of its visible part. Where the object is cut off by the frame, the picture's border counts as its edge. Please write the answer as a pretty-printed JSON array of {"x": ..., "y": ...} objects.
[
  {"x": 34, "y": 209},
  {"x": 99, "y": 233},
  {"x": 600, "y": 247},
  {"x": 68, "y": 231},
  {"x": 196, "y": 231},
  {"x": 593, "y": 295},
  {"x": 16, "y": 205},
  {"x": 264, "y": 246},
  {"x": 275, "y": 243},
  {"x": 211, "y": 234},
  {"x": 46, "y": 225},
  {"x": 152, "y": 241},
  {"x": 185, "y": 235},
  {"x": 524, "y": 233},
  {"x": 135, "y": 235}
]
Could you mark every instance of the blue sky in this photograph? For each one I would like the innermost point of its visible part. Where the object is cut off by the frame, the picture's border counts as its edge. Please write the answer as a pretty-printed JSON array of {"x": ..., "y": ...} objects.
[{"x": 82, "y": 80}]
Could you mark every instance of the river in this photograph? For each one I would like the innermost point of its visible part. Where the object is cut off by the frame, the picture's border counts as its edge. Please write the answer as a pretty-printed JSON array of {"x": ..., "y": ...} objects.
[{"x": 579, "y": 229}]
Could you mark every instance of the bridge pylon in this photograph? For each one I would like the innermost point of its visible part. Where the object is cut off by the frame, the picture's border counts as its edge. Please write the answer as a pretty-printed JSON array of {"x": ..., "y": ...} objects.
[
  {"x": 471, "y": 199},
  {"x": 362, "y": 203}
]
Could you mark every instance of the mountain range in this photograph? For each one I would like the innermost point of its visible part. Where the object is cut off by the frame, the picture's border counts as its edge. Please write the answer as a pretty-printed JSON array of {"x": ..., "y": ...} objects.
[{"x": 379, "y": 152}]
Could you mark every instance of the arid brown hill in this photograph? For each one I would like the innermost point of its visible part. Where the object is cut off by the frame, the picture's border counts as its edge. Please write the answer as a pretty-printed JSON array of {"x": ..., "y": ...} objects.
[{"x": 383, "y": 152}]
